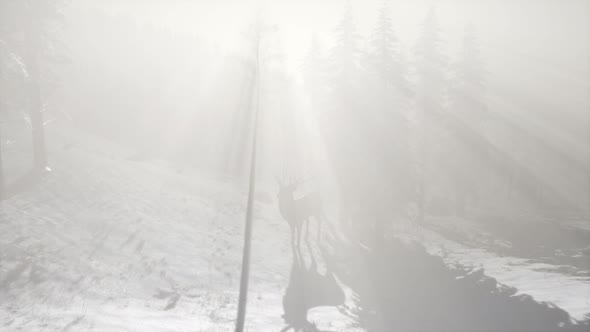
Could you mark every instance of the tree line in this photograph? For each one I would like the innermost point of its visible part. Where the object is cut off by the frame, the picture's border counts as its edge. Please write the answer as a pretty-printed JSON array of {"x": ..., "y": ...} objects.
[
  {"x": 408, "y": 133},
  {"x": 413, "y": 135}
]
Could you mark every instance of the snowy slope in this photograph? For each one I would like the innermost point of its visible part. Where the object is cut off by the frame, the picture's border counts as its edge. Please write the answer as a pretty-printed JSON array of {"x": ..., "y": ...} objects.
[
  {"x": 108, "y": 244},
  {"x": 104, "y": 243}
]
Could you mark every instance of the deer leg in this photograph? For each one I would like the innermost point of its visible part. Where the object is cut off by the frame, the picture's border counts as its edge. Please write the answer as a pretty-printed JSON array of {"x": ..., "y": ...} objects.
[
  {"x": 293, "y": 230},
  {"x": 296, "y": 239}
]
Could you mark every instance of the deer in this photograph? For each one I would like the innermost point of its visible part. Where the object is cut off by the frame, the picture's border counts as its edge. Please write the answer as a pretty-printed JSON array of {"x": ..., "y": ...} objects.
[{"x": 299, "y": 211}]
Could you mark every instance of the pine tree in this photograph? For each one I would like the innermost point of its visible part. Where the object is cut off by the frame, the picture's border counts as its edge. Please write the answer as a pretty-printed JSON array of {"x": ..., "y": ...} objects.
[
  {"x": 431, "y": 77},
  {"x": 467, "y": 118},
  {"x": 345, "y": 55},
  {"x": 385, "y": 57},
  {"x": 339, "y": 120},
  {"x": 389, "y": 99},
  {"x": 468, "y": 91}
]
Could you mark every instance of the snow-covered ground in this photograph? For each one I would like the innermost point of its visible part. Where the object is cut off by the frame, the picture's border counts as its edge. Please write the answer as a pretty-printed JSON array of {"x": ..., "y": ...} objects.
[{"x": 104, "y": 243}]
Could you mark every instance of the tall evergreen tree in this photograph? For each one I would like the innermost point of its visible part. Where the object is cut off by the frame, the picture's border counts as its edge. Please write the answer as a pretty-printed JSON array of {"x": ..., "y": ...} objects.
[
  {"x": 345, "y": 54},
  {"x": 386, "y": 60},
  {"x": 467, "y": 116},
  {"x": 431, "y": 75},
  {"x": 468, "y": 88},
  {"x": 389, "y": 100},
  {"x": 339, "y": 120}
]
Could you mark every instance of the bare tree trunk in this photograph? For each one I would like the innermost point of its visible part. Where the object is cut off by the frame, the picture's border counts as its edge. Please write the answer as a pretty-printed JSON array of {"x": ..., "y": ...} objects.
[{"x": 245, "y": 273}]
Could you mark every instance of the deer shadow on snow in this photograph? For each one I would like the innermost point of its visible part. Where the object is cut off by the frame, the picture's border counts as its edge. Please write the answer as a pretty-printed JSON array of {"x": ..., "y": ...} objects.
[
  {"x": 401, "y": 287},
  {"x": 307, "y": 288}
]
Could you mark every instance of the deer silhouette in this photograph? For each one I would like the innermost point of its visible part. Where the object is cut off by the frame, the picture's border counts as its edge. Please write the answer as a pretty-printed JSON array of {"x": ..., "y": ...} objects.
[{"x": 299, "y": 211}]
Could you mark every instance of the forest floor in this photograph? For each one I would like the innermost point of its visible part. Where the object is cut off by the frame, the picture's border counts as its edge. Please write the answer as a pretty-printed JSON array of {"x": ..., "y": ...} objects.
[{"x": 104, "y": 243}]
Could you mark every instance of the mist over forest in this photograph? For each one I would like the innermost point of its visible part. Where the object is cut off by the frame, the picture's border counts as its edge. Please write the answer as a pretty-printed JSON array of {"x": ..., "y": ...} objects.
[{"x": 295, "y": 165}]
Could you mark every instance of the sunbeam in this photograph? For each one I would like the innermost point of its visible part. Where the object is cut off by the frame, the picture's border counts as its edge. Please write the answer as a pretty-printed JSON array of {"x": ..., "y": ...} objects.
[{"x": 325, "y": 165}]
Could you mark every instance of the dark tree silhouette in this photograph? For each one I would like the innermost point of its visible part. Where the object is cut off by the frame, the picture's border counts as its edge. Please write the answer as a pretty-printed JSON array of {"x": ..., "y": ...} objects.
[
  {"x": 431, "y": 74},
  {"x": 386, "y": 58},
  {"x": 342, "y": 137},
  {"x": 345, "y": 55},
  {"x": 389, "y": 100},
  {"x": 468, "y": 110}
]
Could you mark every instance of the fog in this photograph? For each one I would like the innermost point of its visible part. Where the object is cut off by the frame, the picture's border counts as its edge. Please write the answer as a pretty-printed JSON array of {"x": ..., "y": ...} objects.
[{"x": 295, "y": 165}]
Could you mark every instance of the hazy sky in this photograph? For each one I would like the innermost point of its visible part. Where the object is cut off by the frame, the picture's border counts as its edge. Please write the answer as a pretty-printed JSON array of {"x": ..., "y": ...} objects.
[
  {"x": 558, "y": 28},
  {"x": 530, "y": 47}
]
